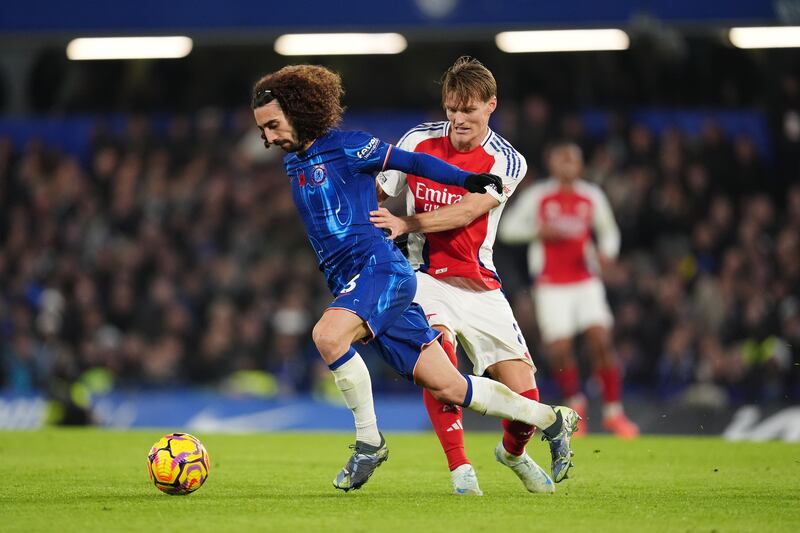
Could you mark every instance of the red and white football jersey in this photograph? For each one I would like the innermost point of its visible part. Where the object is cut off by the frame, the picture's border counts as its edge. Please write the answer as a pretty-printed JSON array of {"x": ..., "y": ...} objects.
[
  {"x": 578, "y": 213},
  {"x": 462, "y": 252}
]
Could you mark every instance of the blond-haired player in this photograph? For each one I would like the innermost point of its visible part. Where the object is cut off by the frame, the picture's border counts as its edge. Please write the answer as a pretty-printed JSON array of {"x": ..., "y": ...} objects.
[{"x": 450, "y": 246}]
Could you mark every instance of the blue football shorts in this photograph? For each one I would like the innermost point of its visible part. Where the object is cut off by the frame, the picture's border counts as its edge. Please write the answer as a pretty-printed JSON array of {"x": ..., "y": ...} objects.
[{"x": 382, "y": 296}]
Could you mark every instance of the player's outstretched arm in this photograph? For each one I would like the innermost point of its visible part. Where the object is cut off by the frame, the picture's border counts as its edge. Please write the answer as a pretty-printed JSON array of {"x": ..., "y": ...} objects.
[
  {"x": 433, "y": 168},
  {"x": 445, "y": 218}
]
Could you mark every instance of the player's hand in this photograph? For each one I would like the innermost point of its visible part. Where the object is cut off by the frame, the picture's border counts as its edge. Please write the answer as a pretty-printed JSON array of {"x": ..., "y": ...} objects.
[
  {"x": 478, "y": 183},
  {"x": 385, "y": 220}
]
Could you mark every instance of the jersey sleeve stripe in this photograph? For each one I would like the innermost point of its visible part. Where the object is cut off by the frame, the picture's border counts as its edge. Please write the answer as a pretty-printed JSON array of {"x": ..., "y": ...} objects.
[
  {"x": 504, "y": 151},
  {"x": 513, "y": 152},
  {"x": 428, "y": 126},
  {"x": 386, "y": 159},
  {"x": 515, "y": 162},
  {"x": 505, "y": 143},
  {"x": 493, "y": 145},
  {"x": 512, "y": 161}
]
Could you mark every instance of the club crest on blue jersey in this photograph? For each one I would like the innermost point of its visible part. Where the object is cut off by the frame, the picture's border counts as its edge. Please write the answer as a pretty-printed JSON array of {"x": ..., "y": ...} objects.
[{"x": 320, "y": 175}]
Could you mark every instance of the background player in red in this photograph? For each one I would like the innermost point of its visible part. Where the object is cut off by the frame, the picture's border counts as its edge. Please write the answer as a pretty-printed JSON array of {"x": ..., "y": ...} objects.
[
  {"x": 450, "y": 245},
  {"x": 559, "y": 216}
]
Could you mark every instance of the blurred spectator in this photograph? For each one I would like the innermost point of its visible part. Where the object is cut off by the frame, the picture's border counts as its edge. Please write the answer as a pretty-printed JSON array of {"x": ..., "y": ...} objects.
[
  {"x": 785, "y": 118},
  {"x": 535, "y": 130}
]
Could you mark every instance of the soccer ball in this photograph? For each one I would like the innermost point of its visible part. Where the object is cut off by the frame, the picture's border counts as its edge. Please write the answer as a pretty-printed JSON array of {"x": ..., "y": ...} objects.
[{"x": 178, "y": 464}]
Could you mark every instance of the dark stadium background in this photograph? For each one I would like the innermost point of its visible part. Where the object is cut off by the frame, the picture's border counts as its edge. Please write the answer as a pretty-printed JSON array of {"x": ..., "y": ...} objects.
[{"x": 150, "y": 255}]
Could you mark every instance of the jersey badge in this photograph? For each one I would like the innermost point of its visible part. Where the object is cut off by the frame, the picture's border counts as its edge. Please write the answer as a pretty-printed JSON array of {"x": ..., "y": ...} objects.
[{"x": 320, "y": 174}]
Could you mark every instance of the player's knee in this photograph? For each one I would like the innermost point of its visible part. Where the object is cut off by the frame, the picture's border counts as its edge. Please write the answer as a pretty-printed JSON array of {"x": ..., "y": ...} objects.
[
  {"x": 447, "y": 335},
  {"x": 328, "y": 341}
]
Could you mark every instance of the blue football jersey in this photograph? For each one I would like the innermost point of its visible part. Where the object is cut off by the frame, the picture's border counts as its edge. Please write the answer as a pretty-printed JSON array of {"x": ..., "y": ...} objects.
[{"x": 333, "y": 186}]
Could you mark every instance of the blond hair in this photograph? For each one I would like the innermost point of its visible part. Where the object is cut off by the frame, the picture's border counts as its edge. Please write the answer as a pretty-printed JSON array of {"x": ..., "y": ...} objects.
[{"x": 468, "y": 79}]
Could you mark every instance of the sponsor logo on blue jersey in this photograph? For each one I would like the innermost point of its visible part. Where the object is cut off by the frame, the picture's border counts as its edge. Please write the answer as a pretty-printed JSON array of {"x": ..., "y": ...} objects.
[{"x": 368, "y": 150}]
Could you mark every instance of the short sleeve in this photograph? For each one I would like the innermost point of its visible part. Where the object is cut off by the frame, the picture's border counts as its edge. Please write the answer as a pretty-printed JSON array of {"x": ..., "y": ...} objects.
[
  {"x": 511, "y": 168},
  {"x": 365, "y": 153},
  {"x": 392, "y": 182}
]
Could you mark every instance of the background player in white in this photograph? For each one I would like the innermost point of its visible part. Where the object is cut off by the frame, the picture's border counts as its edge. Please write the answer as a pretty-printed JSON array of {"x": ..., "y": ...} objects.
[
  {"x": 450, "y": 246},
  {"x": 559, "y": 216}
]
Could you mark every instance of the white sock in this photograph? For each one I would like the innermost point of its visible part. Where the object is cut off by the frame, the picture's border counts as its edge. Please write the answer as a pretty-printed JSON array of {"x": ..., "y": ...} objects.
[
  {"x": 490, "y": 397},
  {"x": 352, "y": 378}
]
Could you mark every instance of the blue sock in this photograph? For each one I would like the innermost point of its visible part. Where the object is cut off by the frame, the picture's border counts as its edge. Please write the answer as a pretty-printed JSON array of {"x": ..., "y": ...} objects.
[
  {"x": 349, "y": 354},
  {"x": 468, "y": 397}
]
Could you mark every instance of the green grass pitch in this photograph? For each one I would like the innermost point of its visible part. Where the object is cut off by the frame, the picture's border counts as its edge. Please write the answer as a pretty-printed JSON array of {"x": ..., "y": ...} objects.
[{"x": 94, "y": 480}]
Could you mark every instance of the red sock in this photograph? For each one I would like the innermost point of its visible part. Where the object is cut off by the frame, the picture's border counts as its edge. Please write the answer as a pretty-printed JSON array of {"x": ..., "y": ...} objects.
[
  {"x": 447, "y": 420},
  {"x": 568, "y": 380},
  {"x": 517, "y": 434},
  {"x": 612, "y": 383}
]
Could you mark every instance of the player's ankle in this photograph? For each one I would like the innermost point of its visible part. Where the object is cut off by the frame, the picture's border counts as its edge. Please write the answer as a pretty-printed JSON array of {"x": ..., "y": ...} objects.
[
  {"x": 456, "y": 465},
  {"x": 553, "y": 430}
]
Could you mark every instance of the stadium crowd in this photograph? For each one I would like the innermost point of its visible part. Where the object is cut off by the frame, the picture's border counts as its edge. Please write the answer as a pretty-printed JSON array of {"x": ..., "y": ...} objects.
[{"x": 174, "y": 256}]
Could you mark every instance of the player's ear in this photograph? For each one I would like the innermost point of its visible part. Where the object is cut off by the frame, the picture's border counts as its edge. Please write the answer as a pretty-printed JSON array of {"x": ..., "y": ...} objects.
[{"x": 492, "y": 104}]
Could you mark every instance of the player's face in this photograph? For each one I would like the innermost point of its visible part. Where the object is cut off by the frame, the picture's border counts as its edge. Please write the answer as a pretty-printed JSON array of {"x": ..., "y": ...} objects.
[
  {"x": 275, "y": 127},
  {"x": 469, "y": 122},
  {"x": 566, "y": 163}
]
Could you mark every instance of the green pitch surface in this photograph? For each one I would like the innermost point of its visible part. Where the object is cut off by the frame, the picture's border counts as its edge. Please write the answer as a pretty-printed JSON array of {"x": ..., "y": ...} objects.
[{"x": 91, "y": 480}]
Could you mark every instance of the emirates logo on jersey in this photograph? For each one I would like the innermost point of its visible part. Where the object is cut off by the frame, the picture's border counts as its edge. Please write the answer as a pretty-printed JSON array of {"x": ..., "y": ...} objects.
[{"x": 432, "y": 197}]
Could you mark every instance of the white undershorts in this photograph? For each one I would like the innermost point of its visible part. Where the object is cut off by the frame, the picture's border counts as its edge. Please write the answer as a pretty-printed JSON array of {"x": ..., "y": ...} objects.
[
  {"x": 564, "y": 310},
  {"x": 481, "y": 320}
]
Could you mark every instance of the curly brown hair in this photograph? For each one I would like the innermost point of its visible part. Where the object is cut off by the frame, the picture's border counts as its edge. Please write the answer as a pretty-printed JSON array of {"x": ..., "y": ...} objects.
[
  {"x": 466, "y": 79},
  {"x": 309, "y": 95}
]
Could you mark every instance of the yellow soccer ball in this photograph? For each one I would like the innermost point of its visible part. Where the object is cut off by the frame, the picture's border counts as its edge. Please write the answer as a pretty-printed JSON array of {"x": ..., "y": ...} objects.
[{"x": 178, "y": 464}]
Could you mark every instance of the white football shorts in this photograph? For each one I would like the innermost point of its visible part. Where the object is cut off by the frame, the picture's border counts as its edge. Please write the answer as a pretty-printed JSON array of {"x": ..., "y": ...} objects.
[
  {"x": 564, "y": 310},
  {"x": 481, "y": 320}
]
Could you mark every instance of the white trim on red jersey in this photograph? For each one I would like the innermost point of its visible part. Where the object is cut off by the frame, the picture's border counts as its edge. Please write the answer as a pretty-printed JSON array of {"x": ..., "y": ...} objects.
[
  {"x": 506, "y": 162},
  {"x": 523, "y": 219}
]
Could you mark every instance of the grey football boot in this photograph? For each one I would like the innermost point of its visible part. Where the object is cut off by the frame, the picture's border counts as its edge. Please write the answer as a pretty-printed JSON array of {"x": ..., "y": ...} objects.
[
  {"x": 560, "y": 436},
  {"x": 365, "y": 459},
  {"x": 465, "y": 481},
  {"x": 531, "y": 474}
]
